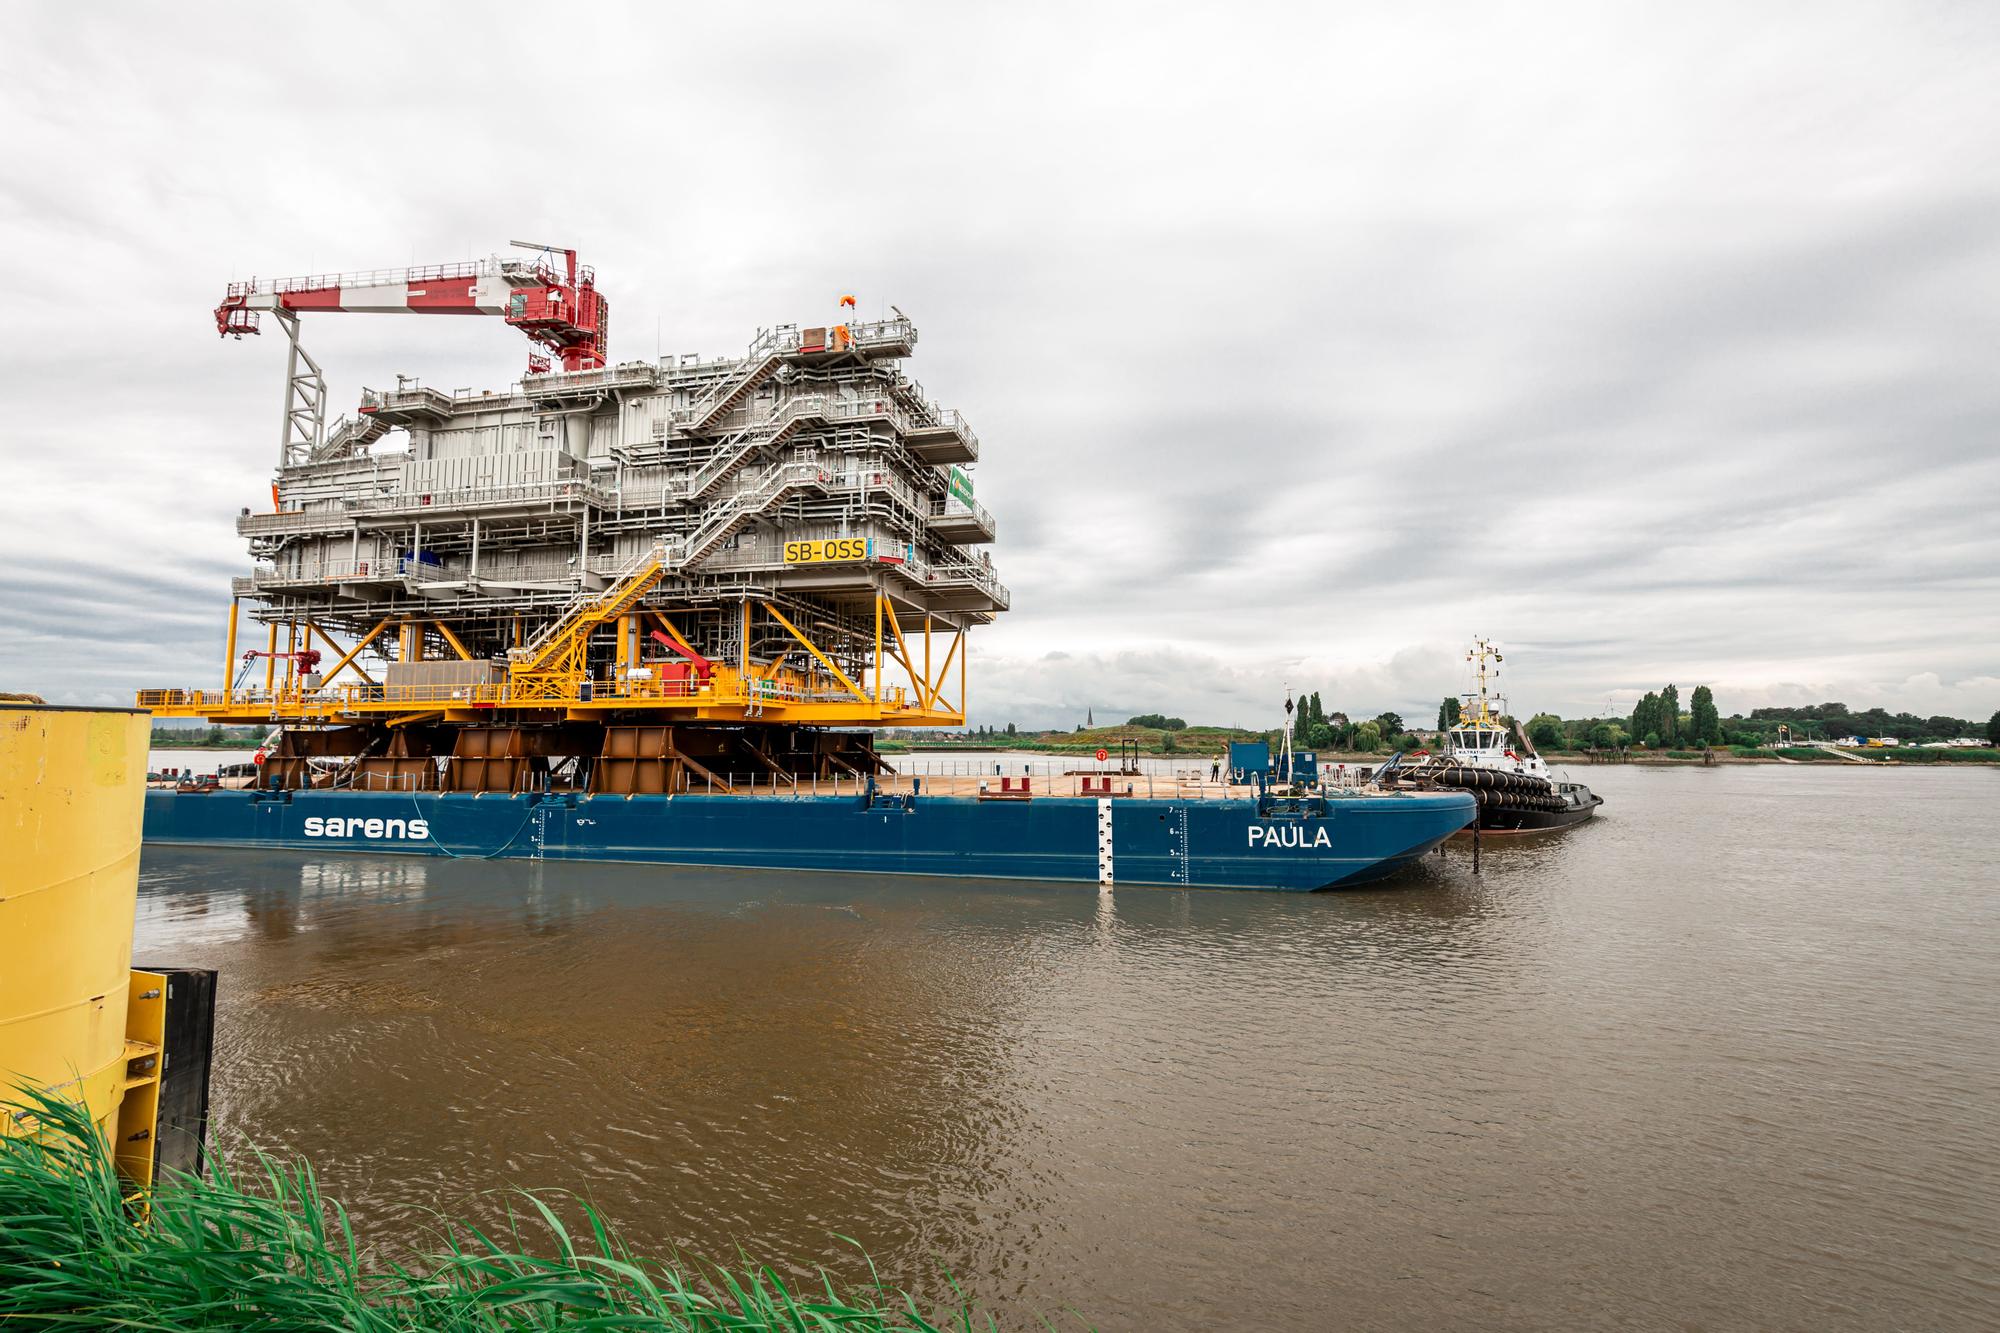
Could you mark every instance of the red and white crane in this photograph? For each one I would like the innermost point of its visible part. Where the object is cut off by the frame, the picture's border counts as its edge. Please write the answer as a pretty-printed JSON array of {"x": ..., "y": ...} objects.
[{"x": 559, "y": 308}]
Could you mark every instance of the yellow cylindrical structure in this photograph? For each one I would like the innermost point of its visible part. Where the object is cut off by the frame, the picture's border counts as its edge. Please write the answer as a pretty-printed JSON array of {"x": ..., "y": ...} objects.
[{"x": 72, "y": 800}]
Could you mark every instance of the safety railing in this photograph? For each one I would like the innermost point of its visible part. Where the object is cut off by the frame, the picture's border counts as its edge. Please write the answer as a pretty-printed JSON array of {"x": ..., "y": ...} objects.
[
  {"x": 291, "y": 520},
  {"x": 937, "y": 418},
  {"x": 352, "y": 695},
  {"x": 373, "y": 277},
  {"x": 977, "y": 573},
  {"x": 523, "y": 493},
  {"x": 627, "y": 374},
  {"x": 325, "y": 571},
  {"x": 964, "y": 511},
  {"x": 405, "y": 396}
]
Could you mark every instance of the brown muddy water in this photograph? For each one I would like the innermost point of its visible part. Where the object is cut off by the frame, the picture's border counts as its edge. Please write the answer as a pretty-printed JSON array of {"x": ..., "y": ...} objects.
[{"x": 1726, "y": 1058}]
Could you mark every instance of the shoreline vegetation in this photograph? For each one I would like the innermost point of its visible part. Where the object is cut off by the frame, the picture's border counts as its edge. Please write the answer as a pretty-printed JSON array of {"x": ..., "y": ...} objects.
[
  {"x": 1697, "y": 736},
  {"x": 1150, "y": 749},
  {"x": 1657, "y": 732},
  {"x": 257, "y": 1246}
]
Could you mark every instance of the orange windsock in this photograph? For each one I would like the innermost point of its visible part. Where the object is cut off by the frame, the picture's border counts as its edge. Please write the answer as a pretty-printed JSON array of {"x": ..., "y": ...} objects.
[{"x": 847, "y": 301}]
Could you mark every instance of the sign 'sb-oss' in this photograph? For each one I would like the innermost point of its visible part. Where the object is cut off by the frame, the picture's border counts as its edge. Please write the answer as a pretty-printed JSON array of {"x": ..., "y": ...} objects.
[{"x": 834, "y": 550}]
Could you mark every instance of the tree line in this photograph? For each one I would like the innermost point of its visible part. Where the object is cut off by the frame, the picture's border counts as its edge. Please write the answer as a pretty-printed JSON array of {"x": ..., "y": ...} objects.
[
  {"x": 1314, "y": 728},
  {"x": 1657, "y": 723}
]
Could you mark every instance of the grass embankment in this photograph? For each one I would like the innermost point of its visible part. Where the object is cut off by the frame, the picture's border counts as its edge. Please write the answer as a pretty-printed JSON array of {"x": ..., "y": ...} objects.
[
  {"x": 264, "y": 1250},
  {"x": 1193, "y": 742}
]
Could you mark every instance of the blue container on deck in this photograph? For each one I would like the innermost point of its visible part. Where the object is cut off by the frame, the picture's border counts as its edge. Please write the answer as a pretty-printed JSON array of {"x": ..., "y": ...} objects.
[{"x": 1248, "y": 760}]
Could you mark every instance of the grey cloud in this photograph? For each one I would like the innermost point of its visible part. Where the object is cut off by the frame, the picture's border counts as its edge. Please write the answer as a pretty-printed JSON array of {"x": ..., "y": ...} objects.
[{"x": 1653, "y": 345}]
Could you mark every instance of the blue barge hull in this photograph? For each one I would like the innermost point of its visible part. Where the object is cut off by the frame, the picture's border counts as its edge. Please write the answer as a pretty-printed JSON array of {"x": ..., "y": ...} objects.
[{"x": 1287, "y": 844}]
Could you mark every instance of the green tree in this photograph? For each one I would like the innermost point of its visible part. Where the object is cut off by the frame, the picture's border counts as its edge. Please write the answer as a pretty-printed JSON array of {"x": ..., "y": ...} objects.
[
  {"x": 1449, "y": 713},
  {"x": 1166, "y": 742},
  {"x": 1704, "y": 722},
  {"x": 1322, "y": 736},
  {"x": 1601, "y": 736},
  {"x": 1389, "y": 725},
  {"x": 1010, "y": 728},
  {"x": 1652, "y": 740},
  {"x": 1993, "y": 730},
  {"x": 1646, "y": 715},
  {"x": 1670, "y": 715},
  {"x": 1546, "y": 731},
  {"x": 1367, "y": 738}
]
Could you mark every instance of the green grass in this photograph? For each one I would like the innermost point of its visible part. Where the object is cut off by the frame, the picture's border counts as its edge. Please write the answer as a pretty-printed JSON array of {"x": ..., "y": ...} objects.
[{"x": 262, "y": 1249}]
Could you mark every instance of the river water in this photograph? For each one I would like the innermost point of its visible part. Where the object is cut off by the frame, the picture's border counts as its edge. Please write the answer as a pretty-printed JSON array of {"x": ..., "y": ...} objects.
[{"x": 1726, "y": 1058}]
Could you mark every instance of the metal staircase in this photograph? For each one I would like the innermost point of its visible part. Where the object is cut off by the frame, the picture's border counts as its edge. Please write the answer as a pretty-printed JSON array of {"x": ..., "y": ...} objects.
[
  {"x": 773, "y": 489},
  {"x": 740, "y": 447},
  {"x": 589, "y": 610},
  {"x": 726, "y": 395},
  {"x": 350, "y": 435}
]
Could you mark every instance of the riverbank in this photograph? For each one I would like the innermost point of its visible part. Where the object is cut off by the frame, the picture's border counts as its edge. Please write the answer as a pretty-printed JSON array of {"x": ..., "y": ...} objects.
[
  {"x": 1211, "y": 744},
  {"x": 1912, "y": 758}
]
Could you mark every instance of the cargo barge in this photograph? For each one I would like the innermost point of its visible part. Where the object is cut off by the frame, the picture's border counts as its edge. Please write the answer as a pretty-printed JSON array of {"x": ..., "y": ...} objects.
[
  {"x": 1243, "y": 842},
  {"x": 654, "y": 612}
]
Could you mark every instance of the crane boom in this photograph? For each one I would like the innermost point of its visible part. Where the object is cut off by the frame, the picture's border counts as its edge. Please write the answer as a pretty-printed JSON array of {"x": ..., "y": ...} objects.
[{"x": 560, "y": 309}]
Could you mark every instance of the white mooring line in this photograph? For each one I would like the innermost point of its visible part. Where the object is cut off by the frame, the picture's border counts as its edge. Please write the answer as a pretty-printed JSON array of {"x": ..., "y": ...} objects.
[{"x": 1104, "y": 844}]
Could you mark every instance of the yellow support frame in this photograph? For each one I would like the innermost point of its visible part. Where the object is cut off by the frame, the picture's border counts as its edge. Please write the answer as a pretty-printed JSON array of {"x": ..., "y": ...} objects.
[
  {"x": 902, "y": 650},
  {"x": 824, "y": 660},
  {"x": 347, "y": 658},
  {"x": 733, "y": 693},
  {"x": 452, "y": 639},
  {"x": 944, "y": 672},
  {"x": 229, "y": 653}
]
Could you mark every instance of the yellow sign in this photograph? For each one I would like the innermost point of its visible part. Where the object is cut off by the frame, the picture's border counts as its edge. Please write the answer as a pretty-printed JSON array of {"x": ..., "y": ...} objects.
[{"x": 836, "y": 550}]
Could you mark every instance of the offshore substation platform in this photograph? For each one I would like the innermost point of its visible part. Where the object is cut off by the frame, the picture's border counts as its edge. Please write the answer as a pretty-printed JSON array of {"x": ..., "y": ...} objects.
[
  {"x": 632, "y": 578},
  {"x": 653, "y": 611}
]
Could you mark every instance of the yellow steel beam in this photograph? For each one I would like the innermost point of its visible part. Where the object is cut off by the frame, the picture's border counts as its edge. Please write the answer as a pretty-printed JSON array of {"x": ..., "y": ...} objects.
[
  {"x": 354, "y": 652},
  {"x": 452, "y": 639},
  {"x": 271, "y": 660},
  {"x": 672, "y": 633},
  {"x": 944, "y": 669},
  {"x": 813, "y": 648},
  {"x": 623, "y": 652},
  {"x": 903, "y": 653},
  {"x": 878, "y": 648},
  {"x": 409, "y": 718},
  {"x": 229, "y": 653},
  {"x": 346, "y": 658}
]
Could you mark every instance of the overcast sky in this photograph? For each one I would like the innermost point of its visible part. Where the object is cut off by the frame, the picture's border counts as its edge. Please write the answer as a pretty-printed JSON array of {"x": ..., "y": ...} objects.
[{"x": 1303, "y": 343}]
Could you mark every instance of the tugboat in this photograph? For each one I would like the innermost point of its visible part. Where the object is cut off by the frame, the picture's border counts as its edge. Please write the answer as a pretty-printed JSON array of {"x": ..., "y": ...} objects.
[{"x": 1486, "y": 754}]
